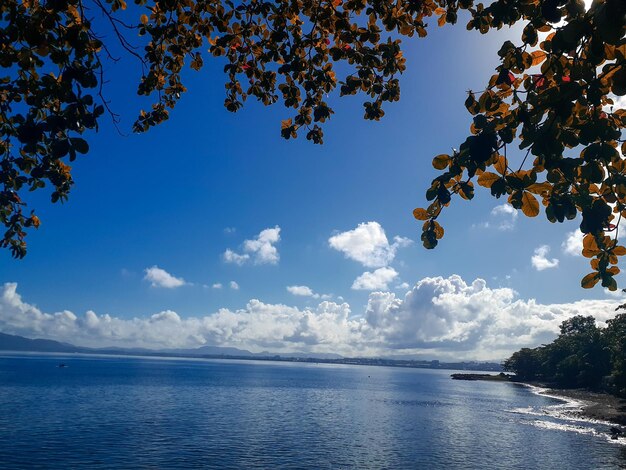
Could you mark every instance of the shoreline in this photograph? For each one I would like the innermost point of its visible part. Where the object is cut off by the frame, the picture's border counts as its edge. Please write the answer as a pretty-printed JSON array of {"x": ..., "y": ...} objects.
[
  {"x": 595, "y": 406},
  {"x": 601, "y": 408},
  {"x": 607, "y": 413}
]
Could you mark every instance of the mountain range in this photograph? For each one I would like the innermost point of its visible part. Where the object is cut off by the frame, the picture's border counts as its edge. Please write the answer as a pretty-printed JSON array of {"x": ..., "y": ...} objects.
[{"x": 16, "y": 343}]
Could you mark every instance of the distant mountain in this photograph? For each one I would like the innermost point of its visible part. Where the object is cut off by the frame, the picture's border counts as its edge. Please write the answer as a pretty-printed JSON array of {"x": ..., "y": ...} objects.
[
  {"x": 211, "y": 351},
  {"x": 297, "y": 355},
  {"x": 19, "y": 343}
]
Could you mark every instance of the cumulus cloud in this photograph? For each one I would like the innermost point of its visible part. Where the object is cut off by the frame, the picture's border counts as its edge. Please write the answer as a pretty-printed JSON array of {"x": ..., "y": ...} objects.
[
  {"x": 302, "y": 291},
  {"x": 573, "y": 244},
  {"x": 217, "y": 285},
  {"x": 160, "y": 278},
  {"x": 447, "y": 315},
  {"x": 445, "y": 318},
  {"x": 231, "y": 257},
  {"x": 540, "y": 261},
  {"x": 258, "y": 326},
  {"x": 377, "y": 280},
  {"x": 233, "y": 285},
  {"x": 259, "y": 250},
  {"x": 306, "y": 291},
  {"x": 368, "y": 244}
]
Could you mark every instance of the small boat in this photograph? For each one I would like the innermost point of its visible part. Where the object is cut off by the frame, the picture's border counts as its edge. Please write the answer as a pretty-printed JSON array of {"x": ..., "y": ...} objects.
[{"x": 62, "y": 365}]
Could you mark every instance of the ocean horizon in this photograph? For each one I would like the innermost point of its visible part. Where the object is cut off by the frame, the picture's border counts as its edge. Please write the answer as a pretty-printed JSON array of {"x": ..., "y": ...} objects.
[{"x": 133, "y": 412}]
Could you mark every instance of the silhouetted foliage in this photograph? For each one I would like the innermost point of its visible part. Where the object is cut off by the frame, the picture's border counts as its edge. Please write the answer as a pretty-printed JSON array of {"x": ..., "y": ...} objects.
[
  {"x": 554, "y": 99},
  {"x": 616, "y": 338},
  {"x": 526, "y": 363},
  {"x": 551, "y": 92},
  {"x": 583, "y": 355}
]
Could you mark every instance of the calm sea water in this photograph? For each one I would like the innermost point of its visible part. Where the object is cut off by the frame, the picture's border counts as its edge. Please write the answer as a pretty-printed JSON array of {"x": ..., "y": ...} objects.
[{"x": 163, "y": 413}]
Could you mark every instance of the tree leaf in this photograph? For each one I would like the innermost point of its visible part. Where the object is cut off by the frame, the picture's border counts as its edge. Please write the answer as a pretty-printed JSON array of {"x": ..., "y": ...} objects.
[
  {"x": 487, "y": 179},
  {"x": 538, "y": 57},
  {"x": 619, "y": 251},
  {"x": 500, "y": 165},
  {"x": 530, "y": 205},
  {"x": 441, "y": 162},
  {"x": 421, "y": 214},
  {"x": 589, "y": 280},
  {"x": 539, "y": 188}
]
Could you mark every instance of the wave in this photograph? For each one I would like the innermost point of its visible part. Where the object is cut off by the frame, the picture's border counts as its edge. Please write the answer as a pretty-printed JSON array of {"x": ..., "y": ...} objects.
[{"x": 567, "y": 416}]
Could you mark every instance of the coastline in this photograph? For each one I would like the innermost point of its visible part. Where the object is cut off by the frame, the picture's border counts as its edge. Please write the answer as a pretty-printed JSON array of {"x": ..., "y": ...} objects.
[
  {"x": 606, "y": 411},
  {"x": 595, "y": 406}
]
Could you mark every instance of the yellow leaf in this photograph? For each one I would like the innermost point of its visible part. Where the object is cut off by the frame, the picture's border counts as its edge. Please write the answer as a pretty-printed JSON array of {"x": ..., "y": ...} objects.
[
  {"x": 487, "y": 179},
  {"x": 539, "y": 188},
  {"x": 500, "y": 165},
  {"x": 421, "y": 214},
  {"x": 438, "y": 230},
  {"x": 538, "y": 57},
  {"x": 144, "y": 19},
  {"x": 530, "y": 206},
  {"x": 589, "y": 242},
  {"x": 441, "y": 161},
  {"x": 588, "y": 253},
  {"x": 590, "y": 280},
  {"x": 619, "y": 251},
  {"x": 613, "y": 270}
]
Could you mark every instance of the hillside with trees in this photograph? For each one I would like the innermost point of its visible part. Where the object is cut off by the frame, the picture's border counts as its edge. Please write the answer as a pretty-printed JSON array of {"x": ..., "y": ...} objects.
[{"x": 584, "y": 355}]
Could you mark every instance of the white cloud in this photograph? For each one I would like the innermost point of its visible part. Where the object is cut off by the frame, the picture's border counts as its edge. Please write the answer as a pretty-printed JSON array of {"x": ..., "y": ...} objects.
[
  {"x": 303, "y": 291},
  {"x": 445, "y": 318},
  {"x": 448, "y": 315},
  {"x": 503, "y": 217},
  {"x": 306, "y": 291},
  {"x": 217, "y": 285},
  {"x": 260, "y": 250},
  {"x": 377, "y": 280},
  {"x": 233, "y": 285},
  {"x": 617, "y": 294},
  {"x": 573, "y": 244},
  {"x": 540, "y": 261},
  {"x": 160, "y": 278},
  {"x": 403, "y": 286},
  {"x": 368, "y": 245},
  {"x": 231, "y": 257}
]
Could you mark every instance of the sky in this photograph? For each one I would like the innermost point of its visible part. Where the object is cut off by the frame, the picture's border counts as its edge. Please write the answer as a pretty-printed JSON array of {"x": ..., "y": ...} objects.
[{"x": 212, "y": 230}]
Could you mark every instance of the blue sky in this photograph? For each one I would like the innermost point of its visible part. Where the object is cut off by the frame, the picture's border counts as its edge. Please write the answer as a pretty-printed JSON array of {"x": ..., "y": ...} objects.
[{"x": 207, "y": 181}]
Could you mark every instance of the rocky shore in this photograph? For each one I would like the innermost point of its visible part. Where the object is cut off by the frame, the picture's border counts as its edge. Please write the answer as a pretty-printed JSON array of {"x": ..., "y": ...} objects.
[{"x": 595, "y": 406}]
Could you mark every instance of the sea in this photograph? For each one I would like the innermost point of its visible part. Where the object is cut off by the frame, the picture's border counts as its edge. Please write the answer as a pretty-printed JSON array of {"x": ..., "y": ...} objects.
[{"x": 162, "y": 413}]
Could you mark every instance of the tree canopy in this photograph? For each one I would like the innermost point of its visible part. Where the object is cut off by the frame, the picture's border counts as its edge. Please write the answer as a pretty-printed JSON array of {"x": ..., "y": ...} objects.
[
  {"x": 583, "y": 355},
  {"x": 551, "y": 95}
]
